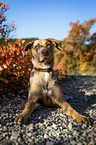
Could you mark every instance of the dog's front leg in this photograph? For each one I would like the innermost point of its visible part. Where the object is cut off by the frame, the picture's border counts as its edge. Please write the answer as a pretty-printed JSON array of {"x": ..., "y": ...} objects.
[
  {"x": 60, "y": 100},
  {"x": 29, "y": 108}
]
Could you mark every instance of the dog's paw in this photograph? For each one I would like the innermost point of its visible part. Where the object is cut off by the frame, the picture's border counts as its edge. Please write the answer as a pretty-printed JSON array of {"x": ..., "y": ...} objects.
[
  {"x": 83, "y": 119},
  {"x": 21, "y": 118}
]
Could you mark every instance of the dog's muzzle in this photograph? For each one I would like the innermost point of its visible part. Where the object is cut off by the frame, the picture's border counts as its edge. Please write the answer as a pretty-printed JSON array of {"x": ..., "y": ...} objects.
[
  {"x": 45, "y": 52},
  {"x": 45, "y": 55}
]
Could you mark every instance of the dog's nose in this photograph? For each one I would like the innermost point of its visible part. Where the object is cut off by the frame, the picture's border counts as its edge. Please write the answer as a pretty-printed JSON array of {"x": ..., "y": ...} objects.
[{"x": 45, "y": 51}]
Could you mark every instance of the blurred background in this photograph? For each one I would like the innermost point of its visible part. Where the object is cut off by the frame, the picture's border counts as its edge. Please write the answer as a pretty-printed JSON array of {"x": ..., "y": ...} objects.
[
  {"x": 48, "y": 19},
  {"x": 73, "y": 23}
]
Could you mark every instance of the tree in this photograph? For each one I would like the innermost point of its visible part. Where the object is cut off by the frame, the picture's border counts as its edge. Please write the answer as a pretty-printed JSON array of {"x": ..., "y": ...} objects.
[
  {"x": 79, "y": 48},
  {"x": 5, "y": 28}
]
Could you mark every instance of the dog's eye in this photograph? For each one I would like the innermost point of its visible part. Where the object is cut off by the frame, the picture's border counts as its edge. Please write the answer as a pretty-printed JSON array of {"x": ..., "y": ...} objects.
[
  {"x": 48, "y": 45},
  {"x": 36, "y": 46}
]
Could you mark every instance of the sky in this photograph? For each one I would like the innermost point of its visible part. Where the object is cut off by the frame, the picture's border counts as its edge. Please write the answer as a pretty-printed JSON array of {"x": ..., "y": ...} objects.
[{"x": 48, "y": 18}]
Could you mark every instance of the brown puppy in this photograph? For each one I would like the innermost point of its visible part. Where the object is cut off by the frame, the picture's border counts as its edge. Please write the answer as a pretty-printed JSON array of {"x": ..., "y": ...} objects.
[{"x": 44, "y": 87}]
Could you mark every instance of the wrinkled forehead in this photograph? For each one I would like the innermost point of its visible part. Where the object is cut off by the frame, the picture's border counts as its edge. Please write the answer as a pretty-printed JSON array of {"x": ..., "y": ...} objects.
[{"x": 43, "y": 42}]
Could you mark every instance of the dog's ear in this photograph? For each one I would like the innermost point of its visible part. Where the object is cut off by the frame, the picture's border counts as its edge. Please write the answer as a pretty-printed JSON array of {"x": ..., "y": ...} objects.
[
  {"x": 55, "y": 43},
  {"x": 28, "y": 46}
]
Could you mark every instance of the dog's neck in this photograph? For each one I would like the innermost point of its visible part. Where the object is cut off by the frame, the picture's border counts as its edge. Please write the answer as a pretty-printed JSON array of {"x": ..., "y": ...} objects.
[
  {"x": 43, "y": 70},
  {"x": 41, "y": 66}
]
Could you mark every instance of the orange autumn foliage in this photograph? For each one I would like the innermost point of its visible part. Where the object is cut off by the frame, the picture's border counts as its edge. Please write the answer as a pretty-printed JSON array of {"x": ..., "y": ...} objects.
[
  {"x": 5, "y": 28},
  {"x": 12, "y": 60},
  {"x": 14, "y": 68},
  {"x": 79, "y": 49}
]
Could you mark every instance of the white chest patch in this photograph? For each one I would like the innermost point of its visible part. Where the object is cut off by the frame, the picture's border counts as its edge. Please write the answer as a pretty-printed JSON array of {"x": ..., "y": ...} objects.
[{"x": 46, "y": 76}]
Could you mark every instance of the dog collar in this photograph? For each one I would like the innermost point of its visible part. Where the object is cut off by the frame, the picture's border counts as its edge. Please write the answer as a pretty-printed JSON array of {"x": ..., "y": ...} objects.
[{"x": 43, "y": 70}]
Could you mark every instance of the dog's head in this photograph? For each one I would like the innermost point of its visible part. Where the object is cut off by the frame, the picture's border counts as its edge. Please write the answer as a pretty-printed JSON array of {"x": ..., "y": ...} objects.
[{"x": 42, "y": 52}]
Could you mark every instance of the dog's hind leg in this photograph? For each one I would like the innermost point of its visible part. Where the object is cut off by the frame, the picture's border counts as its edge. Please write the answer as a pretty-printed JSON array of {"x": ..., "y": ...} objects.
[{"x": 59, "y": 99}]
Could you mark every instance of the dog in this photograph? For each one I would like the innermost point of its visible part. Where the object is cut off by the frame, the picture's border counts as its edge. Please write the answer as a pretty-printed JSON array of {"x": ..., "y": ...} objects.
[{"x": 44, "y": 87}]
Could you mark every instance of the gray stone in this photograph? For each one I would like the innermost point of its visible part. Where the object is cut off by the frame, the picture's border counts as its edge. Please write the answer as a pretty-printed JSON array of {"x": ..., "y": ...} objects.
[
  {"x": 29, "y": 134},
  {"x": 73, "y": 142},
  {"x": 45, "y": 136},
  {"x": 75, "y": 133},
  {"x": 79, "y": 143},
  {"x": 54, "y": 125},
  {"x": 30, "y": 127},
  {"x": 14, "y": 136},
  {"x": 70, "y": 126},
  {"x": 49, "y": 143}
]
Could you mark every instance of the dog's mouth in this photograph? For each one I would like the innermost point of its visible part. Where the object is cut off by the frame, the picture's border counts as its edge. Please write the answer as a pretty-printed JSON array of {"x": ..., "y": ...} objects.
[{"x": 45, "y": 58}]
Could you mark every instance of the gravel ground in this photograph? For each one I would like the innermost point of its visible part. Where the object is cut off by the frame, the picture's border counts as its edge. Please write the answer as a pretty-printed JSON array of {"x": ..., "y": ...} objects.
[{"x": 49, "y": 126}]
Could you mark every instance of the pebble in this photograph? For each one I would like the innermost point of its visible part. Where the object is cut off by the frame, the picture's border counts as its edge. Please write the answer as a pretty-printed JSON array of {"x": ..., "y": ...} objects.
[
  {"x": 45, "y": 126},
  {"x": 84, "y": 126},
  {"x": 54, "y": 125},
  {"x": 75, "y": 133},
  {"x": 29, "y": 134},
  {"x": 45, "y": 136},
  {"x": 30, "y": 127},
  {"x": 49, "y": 143},
  {"x": 4, "y": 134},
  {"x": 73, "y": 142},
  {"x": 79, "y": 143},
  {"x": 19, "y": 139},
  {"x": 14, "y": 136},
  {"x": 70, "y": 126}
]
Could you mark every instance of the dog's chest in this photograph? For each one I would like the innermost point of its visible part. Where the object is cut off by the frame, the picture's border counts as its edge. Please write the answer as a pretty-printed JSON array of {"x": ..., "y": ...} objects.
[
  {"x": 46, "y": 77},
  {"x": 45, "y": 90}
]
